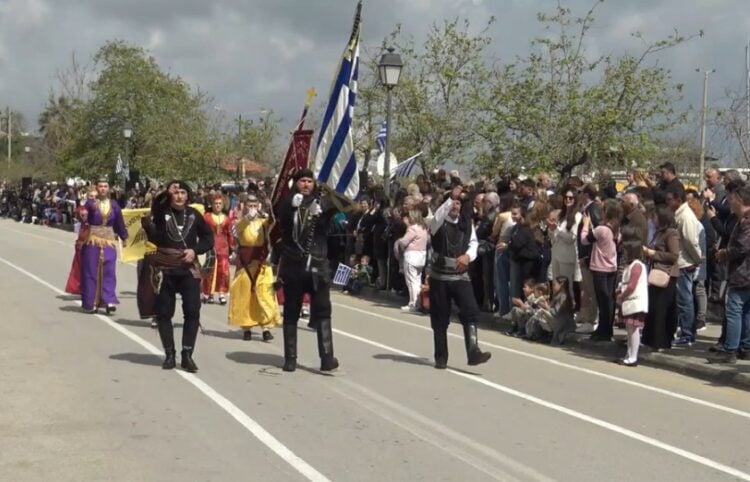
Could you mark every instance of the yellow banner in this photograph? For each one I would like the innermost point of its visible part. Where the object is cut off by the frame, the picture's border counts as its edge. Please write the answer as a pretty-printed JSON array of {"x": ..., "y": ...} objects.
[{"x": 136, "y": 246}]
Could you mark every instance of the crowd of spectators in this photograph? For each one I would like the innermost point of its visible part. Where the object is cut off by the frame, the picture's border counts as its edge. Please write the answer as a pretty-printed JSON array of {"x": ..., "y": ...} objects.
[{"x": 551, "y": 259}]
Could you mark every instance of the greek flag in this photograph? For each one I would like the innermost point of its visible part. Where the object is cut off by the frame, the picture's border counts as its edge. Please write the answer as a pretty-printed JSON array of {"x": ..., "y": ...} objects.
[
  {"x": 335, "y": 164},
  {"x": 122, "y": 169},
  {"x": 405, "y": 168},
  {"x": 342, "y": 276},
  {"x": 380, "y": 139}
]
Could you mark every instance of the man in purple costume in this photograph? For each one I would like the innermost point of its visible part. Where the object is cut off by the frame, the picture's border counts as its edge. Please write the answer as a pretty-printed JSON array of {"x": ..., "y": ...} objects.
[{"x": 99, "y": 251}]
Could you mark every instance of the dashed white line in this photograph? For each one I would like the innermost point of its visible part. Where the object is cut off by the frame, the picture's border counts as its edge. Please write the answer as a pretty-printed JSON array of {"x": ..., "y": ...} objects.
[
  {"x": 693, "y": 457},
  {"x": 558, "y": 363},
  {"x": 260, "y": 433}
]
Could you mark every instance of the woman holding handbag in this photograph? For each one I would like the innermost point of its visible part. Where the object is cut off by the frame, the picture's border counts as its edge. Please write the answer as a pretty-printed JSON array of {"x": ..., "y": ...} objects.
[{"x": 662, "y": 254}]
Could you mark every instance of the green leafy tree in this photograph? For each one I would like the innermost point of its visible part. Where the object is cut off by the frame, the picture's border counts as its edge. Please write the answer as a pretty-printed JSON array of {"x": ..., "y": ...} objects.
[
  {"x": 557, "y": 108},
  {"x": 171, "y": 136},
  {"x": 433, "y": 108},
  {"x": 261, "y": 140}
]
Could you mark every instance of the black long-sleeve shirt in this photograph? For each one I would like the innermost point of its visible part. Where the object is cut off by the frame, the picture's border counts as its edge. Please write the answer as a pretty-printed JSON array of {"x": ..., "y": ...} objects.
[{"x": 181, "y": 229}]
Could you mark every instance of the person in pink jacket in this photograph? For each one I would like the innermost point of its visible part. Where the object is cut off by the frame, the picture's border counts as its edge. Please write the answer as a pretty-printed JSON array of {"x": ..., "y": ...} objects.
[
  {"x": 603, "y": 265},
  {"x": 412, "y": 248}
]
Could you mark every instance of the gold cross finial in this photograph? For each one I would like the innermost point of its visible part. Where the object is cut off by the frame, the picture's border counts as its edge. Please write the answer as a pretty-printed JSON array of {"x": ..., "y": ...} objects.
[{"x": 311, "y": 93}]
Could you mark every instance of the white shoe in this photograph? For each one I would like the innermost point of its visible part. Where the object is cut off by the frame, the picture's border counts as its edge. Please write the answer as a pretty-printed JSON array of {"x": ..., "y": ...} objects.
[
  {"x": 586, "y": 328},
  {"x": 409, "y": 309}
]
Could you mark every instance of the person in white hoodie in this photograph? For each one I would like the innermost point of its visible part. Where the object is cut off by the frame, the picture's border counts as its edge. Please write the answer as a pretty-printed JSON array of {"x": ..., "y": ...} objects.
[
  {"x": 564, "y": 247},
  {"x": 688, "y": 262}
]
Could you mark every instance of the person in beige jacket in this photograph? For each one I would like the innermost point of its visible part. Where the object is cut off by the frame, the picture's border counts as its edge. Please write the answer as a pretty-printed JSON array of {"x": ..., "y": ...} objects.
[{"x": 688, "y": 263}]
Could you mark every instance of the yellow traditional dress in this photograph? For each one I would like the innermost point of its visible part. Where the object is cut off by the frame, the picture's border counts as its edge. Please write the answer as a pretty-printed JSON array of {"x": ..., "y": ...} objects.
[{"x": 252, "y": 300}]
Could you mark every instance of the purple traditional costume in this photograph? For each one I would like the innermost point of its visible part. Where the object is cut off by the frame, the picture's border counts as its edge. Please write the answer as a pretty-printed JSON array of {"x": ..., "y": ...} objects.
[{"x": 99, "y": 254}]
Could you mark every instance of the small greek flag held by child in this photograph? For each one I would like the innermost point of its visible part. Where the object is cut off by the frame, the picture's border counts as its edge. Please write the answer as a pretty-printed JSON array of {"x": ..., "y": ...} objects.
[{"x": 343, "y": 273}]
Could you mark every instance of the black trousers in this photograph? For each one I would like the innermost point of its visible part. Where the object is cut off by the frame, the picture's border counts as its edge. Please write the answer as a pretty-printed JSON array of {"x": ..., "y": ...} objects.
[
  {"x": 604, "y": 289},
  {"x": 189, "y": 289},
  {"x": 661, "y": 322},
  {"x": 443, "y": 294},
  {"x": 295, "y": 288}
]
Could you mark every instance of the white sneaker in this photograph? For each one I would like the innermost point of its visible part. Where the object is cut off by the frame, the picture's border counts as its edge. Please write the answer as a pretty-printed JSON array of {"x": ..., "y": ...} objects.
[
  {"x": 586, "y": 328},
  {"x": 409, "y": 309}
]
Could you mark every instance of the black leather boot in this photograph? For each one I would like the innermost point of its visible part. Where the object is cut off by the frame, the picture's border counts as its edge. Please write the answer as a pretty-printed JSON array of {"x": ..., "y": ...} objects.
[
  {"x": 167, "y": 342},
  {"x": 169, "y": 361},
  {"x": 290, "y": 348},
  {"x": 473, "y": 353},
  {"x": 325, "y": 346},
  {"x": 187, "y": 363},
  {"x": 440, "y": 335}
]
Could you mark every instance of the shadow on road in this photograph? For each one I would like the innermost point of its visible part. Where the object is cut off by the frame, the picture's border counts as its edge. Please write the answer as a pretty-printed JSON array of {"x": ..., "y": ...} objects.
[
  {"x": 138, "y": 358},
  {"x": 418, "y": 361},
  {"x": 68, "y": 297},
  {"x": 403, "y": 359},
  {"x": 72, "y": 309},
  {"x": 140, "y": 323},
  {"x": 250, "y": 358},
  {"x": 229, "y": 335}
]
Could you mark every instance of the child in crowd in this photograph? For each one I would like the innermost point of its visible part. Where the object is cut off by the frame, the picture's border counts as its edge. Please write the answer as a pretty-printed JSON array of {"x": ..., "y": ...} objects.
[
  {"x": 556, "y": 317},
  {"x": 361, "y": 275},
  {"x": 522, "y": 310},
  {"x": 540, "y": 314},
  {"x": 632, "y": 298}
]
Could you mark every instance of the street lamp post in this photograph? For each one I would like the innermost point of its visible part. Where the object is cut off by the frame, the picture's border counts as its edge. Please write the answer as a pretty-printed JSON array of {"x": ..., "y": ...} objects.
[
  {"x": 389, "y": 69},
  {"x": 703, "y": 125},
  {"x": 127, "y": 134},
  {"x": 10, "y": 135}
]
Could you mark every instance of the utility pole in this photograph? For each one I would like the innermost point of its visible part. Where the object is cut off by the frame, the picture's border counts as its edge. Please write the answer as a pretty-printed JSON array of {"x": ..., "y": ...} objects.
[
  {"x": 10, "y": 136},
  {"x": 241, "y": 160},
  {"x": 703, "y": 125},
  {"x": 747, "y": 94}
]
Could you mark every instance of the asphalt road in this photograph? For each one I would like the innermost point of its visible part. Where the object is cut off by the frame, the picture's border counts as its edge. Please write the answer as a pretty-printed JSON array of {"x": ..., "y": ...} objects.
[{"x": 83, "y": 398}]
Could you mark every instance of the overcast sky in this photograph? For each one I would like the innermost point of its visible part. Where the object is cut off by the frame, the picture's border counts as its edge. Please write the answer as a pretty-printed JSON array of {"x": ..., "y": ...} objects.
[{"x": 253, "y": 54}]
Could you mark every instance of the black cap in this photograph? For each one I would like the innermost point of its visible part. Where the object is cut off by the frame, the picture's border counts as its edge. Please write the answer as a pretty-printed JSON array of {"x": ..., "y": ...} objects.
[{"x": 303, "y": 173}]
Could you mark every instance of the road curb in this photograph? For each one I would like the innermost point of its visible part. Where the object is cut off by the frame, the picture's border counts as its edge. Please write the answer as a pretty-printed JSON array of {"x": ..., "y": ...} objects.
[{"x": 690, "y": 366}]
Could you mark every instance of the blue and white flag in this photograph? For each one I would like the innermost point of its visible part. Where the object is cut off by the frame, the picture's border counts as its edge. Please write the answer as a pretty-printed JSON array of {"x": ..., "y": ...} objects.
[
  {"x": 405, "y": 168},
  {"x": 380, "y": 139},
  {"x": 335, "y": 163},
  {"x": 122, "y": 169},
  {"x": 342, "y": 276}
]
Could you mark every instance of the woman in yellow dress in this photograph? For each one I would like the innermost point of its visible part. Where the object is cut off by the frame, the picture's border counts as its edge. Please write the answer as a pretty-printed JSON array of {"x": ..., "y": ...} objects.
[{"x": 252, "y": 300}]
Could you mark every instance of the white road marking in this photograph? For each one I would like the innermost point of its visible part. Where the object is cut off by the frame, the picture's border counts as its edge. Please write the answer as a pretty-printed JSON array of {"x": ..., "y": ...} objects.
[
  {"x": 455, "y": 444},
  {"x": 45, "y": 238},
  {"x": 693, "y": 457},
  {"x": 552, "y": 361},
  {"x": 312, "y": 474},
  {"x": 265, "y": 437}
]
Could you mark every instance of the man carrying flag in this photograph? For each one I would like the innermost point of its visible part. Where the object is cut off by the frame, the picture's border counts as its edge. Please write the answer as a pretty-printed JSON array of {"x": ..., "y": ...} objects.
[
  {"x": 305, "y": 214},
  {"x": 303, "y": 267}
]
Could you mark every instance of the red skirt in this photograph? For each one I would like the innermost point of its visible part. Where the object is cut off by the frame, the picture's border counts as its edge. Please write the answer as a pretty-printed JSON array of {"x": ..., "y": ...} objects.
[{"x": 73, "y": 286}]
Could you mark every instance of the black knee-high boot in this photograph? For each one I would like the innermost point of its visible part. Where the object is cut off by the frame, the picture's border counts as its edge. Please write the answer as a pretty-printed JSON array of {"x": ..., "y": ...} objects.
[
  {"x": 440, "y": 335},
  {"x": 290, "y": 348},
  {"x": 187, "y": 362},
  {"x": 325, "y": 346},
  {"x": 167, "y": 342},
  {"x": 473, "y": 353}
]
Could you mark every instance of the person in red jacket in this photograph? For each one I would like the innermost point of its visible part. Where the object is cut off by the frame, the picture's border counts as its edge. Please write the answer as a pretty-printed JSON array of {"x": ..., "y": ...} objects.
[{"x": 216, "y": 274}]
